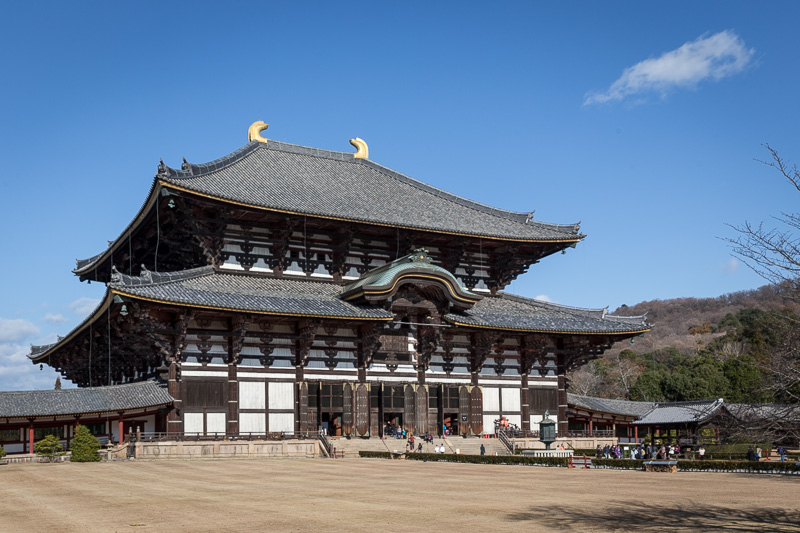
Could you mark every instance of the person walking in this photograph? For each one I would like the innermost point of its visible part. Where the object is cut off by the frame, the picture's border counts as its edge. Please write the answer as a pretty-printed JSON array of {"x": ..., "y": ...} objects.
[{"x": 483, "y": 449}]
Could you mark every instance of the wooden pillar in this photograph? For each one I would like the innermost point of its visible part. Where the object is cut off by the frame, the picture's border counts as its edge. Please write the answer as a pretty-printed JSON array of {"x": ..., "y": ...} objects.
[
  {"x": 174, "y": 417},
  {"x": 636, "y": 434},
  {"x": 562, "y": 402},
  {"x": 591, "y": 427},
  {"x": 30, "y": 435},
  {"x": 121, "y": 428},
  {"x": 525, "y": 394},
  {"x": 232, "y": 429}
]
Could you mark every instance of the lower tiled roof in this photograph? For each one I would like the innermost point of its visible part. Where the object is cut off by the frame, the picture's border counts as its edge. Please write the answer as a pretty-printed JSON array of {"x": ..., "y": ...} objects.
[
  {"x": 605, "y": 405},
  {"x": 203, "y": 287},
  {"x": 510, "y": 312},
  {"x": 681, "y": 412},
  {"x": 24, "y": 404}
]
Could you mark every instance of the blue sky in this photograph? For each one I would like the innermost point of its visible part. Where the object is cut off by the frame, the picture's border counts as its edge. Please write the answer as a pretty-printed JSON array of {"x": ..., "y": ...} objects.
[{"x": 642, "y": 120}]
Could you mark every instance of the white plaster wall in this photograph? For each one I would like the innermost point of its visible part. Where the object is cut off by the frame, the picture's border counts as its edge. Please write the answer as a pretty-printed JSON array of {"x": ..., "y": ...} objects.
[
  {"x": 215, "y": 423},
  {"x": 252, "y": 395},
  {"x": 281, "y": 422},
  {"x": 514, "y": 419},
  {"x": 491, "y": 399},
  {"x": 281, "y": 396},
  {"x": 510, "y": 401},
  {"x": 488, "y": 423},
  {"x": 252, "y": 422},
  {"x": 192, "y": 423}
]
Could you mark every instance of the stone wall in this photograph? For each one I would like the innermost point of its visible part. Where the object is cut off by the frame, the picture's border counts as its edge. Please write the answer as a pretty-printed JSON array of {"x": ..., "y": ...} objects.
[{"x": 226, "y": 449}]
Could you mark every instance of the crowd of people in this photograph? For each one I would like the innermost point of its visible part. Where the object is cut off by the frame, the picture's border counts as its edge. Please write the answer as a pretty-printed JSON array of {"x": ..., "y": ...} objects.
[{"x": 642, "y": 451}]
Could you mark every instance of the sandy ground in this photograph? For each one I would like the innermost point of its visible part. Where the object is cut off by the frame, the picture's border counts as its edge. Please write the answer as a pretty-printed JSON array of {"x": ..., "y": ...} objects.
[{"x": 377, "y": 494}]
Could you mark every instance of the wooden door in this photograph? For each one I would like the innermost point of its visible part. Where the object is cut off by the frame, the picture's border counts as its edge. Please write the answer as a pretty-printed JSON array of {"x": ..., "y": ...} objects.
[
  {"x": 463, "y": 410},
  {"x": 362, "y": 410},
  {"x": 347, "y": 409},
  {"x": 476, "y": 410},
  {"x": 421, "y": 402},
  {"x": 409, "y": 411}
]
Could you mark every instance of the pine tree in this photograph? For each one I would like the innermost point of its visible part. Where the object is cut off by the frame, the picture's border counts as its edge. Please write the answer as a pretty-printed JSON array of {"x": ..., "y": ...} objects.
[
  {"x": 58, "y": 383},
  {"x": 84, "y": 446},
  {"x": 49, "y": 447}
]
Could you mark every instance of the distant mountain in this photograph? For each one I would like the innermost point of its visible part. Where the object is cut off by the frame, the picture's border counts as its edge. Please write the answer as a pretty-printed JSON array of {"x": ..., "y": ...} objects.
[{"x": 687, "y": 324}]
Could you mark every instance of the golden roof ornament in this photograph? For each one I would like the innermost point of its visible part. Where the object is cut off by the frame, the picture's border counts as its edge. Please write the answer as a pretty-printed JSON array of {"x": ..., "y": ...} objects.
[
  {"x": 363, "y": 149},
  {"x": 253, "y": 132}
]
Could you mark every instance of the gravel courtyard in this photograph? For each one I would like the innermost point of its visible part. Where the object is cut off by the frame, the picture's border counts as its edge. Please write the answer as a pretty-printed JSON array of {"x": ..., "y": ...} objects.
[{"x": 375, "y": 494}]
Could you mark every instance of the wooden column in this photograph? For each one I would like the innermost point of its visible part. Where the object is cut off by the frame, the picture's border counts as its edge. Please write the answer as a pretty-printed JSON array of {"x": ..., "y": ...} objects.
[
  {"x": 233, "y": 401},
  {"x": 30, "y": 435},
  {"x": 525, "y": 403},
  {"x": 562, "y": 401},
  {"x": 121, "y": 435},
  {"x": 174, "y": 417},
  {"x": 591, "y": 427}
]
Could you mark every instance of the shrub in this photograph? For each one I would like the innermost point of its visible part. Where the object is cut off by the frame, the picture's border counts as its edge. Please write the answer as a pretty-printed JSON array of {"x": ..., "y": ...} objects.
[
  {"x": 49, "y": 447},
  {"x": 477, "y": 459},
  {"x": 84, "y": 446},
  {"x": 2, "y": 452}
]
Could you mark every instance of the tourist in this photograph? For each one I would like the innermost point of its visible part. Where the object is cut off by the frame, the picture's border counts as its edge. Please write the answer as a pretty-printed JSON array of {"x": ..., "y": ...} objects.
[
  {"x": 782, "y": 453},
  {"x": 606, "y": 451},
  {"x": 419, "y": 448},
  {"x": 598, "y": 452},
  {"x": 483, "y": 449},
  {"x": 751, "y": 455},
  {"x": 701, "y": 453},
  {"x": 758, "y": 454},
  {"x": 441, "y": 448}
]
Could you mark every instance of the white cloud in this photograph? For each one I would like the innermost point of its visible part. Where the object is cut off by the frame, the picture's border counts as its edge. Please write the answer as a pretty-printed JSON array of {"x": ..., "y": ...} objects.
[
  {"x": 543, "y": 298},
  {"x": 731, "y": 266},
  {"x": 709, "y": 57},
  {"x": 54, "y": 318},
  {"x": 84, "y": 306},
  {"x": 16, "y": 330}
]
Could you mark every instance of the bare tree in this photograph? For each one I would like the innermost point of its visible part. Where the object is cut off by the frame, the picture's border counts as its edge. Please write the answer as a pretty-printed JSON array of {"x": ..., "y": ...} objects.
[{"x": 774, "y": 253}]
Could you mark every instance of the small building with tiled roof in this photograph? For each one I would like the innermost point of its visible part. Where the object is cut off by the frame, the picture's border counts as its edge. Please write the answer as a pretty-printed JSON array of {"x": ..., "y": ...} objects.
[
  {"x": 283, "y": 288},
  {"x": 108, "y": 412}
]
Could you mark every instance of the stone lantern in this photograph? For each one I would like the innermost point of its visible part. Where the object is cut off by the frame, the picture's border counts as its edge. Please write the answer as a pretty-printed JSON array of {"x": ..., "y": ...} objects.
[{"x": 547, "y": 430}]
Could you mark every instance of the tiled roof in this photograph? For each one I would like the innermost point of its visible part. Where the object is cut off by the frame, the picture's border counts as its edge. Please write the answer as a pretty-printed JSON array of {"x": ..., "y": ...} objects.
[
  {"x": 317, "y": 182},
  {"x": 203, "y": 287},
  {"x": 510, "y": 312},
  {"x": 83, "y": 401},
  {"x": 605, "y": 405},
  {"x": 681, "y": 412}
]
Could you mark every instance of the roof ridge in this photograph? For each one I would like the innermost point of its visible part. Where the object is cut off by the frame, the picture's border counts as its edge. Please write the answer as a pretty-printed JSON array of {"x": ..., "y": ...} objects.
[{"x": 148, "y": 278}]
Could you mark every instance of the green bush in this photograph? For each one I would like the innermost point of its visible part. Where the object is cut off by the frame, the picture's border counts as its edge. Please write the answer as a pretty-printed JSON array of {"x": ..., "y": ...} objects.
[
  {"x": 49, "y": 447},
  {"x": 84, "y": 446},
  {"x": 2, "y": 452},
  {"x": 705, "y": 466},
  {"x": 476, "y": 459}
]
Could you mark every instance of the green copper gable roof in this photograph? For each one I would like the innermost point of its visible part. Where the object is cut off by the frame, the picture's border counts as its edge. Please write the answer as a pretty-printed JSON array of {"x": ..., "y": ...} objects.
[{"x": 384, "y": 279}]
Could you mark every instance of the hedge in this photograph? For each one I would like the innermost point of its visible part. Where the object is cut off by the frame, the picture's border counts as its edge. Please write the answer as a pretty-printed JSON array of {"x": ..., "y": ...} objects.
[
  {"x": 706, "y": 466},
  {"x": 476, "y": 459},
  {"x": 621, "y": 464}
]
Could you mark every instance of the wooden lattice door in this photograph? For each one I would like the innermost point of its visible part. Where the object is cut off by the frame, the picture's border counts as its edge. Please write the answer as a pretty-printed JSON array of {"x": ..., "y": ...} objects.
[
  {"x": 476, "y": 410},
  {"x": 362, "y": 409},
  {"x": 409, "y": 411},
  {"x": 347, "y": 409}
]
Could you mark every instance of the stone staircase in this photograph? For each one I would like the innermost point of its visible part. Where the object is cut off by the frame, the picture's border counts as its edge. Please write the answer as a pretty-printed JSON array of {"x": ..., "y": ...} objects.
[
  {"x": 467, "y": 446},
  {"x": 352, "y": 446}
]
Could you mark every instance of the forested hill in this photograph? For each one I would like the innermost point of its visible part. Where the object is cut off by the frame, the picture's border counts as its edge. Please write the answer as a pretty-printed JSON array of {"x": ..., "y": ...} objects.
[
  {"x": 737, "y": 346},
  {"x": 686, "y": 324}
]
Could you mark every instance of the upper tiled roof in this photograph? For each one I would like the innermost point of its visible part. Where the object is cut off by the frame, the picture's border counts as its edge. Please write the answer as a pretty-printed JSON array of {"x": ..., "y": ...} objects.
[
  {"x": 298, "y": 179},
  {"x": 83, "y": 401},
  {"x": 516, "y": 313},
  {"x": 681, "y": 412},
  {"x": 605, "y": 405},
  {"x": 203, "y": 287}
]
